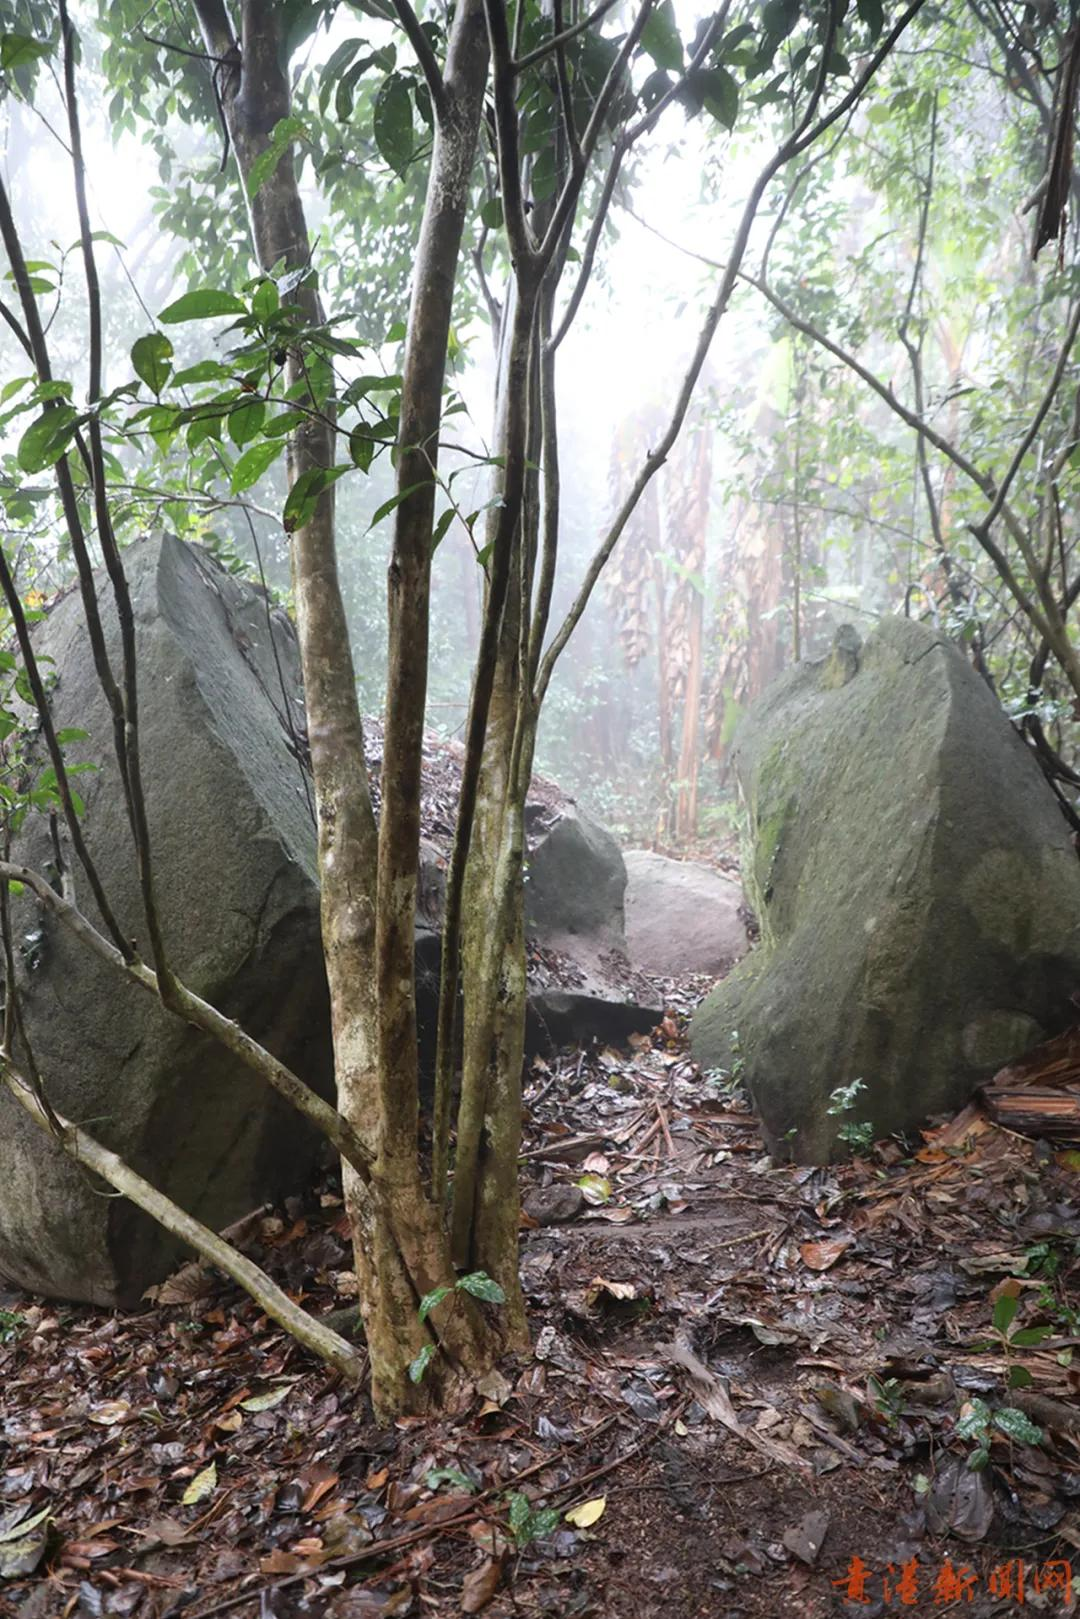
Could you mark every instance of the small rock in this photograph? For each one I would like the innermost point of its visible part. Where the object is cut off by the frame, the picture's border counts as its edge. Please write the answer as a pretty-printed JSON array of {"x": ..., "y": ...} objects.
[{"x": 552, "y": 1205}]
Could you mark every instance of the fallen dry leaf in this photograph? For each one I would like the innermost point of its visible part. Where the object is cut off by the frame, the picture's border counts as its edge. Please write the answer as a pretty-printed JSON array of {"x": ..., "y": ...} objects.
[
  {"x": 588, "y": 1513},
  {"x": 480, "y": 1585},
  {"x": 823, "y": 1255}
]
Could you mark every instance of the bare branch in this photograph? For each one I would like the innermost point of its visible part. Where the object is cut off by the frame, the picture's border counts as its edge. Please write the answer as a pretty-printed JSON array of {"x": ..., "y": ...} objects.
[
  {"x": 84, "y": 1149},
  {"x": 429, "y": 62},
  {"x": 1040, "y": 416},
  {"x": 560, "y": 40},
  {"x": 194, "y": 1010}
]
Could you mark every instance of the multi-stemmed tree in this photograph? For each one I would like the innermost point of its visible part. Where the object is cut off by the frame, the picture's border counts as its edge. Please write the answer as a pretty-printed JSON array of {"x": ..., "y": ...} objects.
[{"x": 534, "y": 117}]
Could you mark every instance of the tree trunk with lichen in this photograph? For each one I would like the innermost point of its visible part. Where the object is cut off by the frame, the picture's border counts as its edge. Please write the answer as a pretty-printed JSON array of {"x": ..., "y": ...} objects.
[{"x": 367, "y": 871}]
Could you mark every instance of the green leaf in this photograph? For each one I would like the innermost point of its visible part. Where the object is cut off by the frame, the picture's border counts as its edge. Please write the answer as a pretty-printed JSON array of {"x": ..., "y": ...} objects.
[
  {"x": 1020, "y": 1377},
  {"x": 152, "y": 358},
  {"x": 520, "y": 1512},
  {"x": 246, "y": 421},
  {"x": 1017, "y": 1425},
  {"x": 1004, "y": 1312},
  {"x": 18, "y": 50},
  {"x": 72, "y": 734},
  {"x": 660, "y": 38},
  {"x": 780, "y": 17},
  {"x": 491, "y": 213},
  {"x": 202, "y": 304},
  {"x": 431, "y": 1300},
  {"x": 284, "y": 133},
  {"x": 978, "y": 1459},
  {"x": 418, "y": 1367},
  {"x": 393, "y": 122},
  {"x": 719, "y": 94},
  {"x": 45, "y": 439},
  {"x": 265, "y": 300},
  {"x": 872, "y": 13},
  {"x": 361, "y": 448},
  {"x": 1027, "y": 1337},
  {"x": 395, "y": 500},
  {"x": 450, "y": 1475},
  {"x": 304, "y": 495},
  {"x": 439, "y": 531},
  {"x": 202, "y": 371},
  {"x": 482, "y": 1286},
  {"x": 974, "y": 1421},
  {"x": 254, "y": 462}
]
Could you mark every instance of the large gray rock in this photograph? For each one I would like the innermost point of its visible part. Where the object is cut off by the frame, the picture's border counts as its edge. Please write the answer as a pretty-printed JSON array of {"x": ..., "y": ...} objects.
[
  {"x": 581, "y": 983},
  {"x": 575, "y": 876},
  {"x": 916, "y": 885},
  {"x": 234, "y": 857},
  {"x": 681, "y": 917}
]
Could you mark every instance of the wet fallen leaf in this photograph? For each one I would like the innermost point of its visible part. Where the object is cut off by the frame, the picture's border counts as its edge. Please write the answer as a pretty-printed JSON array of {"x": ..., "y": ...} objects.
[
  {"x": 588, "y": 1513},
  {"x": 202, "y": 1485},
  {"x": 110, "y": 1412},
  {"x": 805, "y": 1539},
  {"x": 265, "y": 1402},
  {"x": 480, "y": 1585},
  {"x": 22, "y": 1541},
  {"x": 823, "y": 1255}
]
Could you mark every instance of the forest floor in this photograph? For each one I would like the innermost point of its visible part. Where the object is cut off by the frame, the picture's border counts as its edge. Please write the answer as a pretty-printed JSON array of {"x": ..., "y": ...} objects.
[{"x": 755, "y": 1392}]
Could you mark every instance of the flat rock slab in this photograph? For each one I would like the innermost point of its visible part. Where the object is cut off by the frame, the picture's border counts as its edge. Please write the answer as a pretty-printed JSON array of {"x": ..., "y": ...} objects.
[
  {"x": 681, "y": 917},
  {"x": 917, "y": 889}
]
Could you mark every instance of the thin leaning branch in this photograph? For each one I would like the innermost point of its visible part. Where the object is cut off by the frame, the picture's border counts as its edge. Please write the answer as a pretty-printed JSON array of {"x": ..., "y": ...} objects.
[
  {"x": 560, "y": 39},
  {"x": 424, "y": 53},
  {"x": 194, "y": 1010},
  {"x": 85, "y": 1150}
]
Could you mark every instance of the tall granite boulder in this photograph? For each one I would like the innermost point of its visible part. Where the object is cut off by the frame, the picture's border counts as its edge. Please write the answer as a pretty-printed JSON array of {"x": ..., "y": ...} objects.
[
  {"x": 234, "y": 853},
  {"x": 916, "y": 885}
]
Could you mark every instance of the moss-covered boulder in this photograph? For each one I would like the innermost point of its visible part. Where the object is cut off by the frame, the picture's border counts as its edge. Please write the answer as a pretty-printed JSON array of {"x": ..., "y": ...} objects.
[{"x": 917, "y": 889}]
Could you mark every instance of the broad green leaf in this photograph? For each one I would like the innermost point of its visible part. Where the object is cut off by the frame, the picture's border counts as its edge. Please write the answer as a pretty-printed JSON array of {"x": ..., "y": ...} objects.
[
  {"x": 202, "y": 304},
  {"x": 482, "y": 1286},
  {"x": 872, "y": 13},
  {"x": 418, "y": 1367},
  {"x": 203, "y": 371},
  {"x": 361, "y": 448},
  {"x": 284, "y": 134},
  {"x": 245, "y": 421},
  {"x": 1020, "y": 1377},
  {"x": 431, "y": 1300},
  {"x": 45, "y": 439},
  {"x": 1017, "y": 1425},
  {"x": 18, "y": 50},
  {"x": 660, "y": 38},
  {"x": 304, "y": 495},
  {"x": 152, "y": 358},
  {"x": 450, "y": 1475},
  {"x": 254, "y": 462},
  {"x": 719, "y": 94},
  {"x": 393, "y": 122},
  {"x": 1027, "y": 1337},
  {"x": 395, "y": 500},
  {"x": 265, "y": 301},
  {"x": 439, "y": 531},
  {"x": 1004, "y": 1312},
  {"x": 202, "y": 1485}
]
